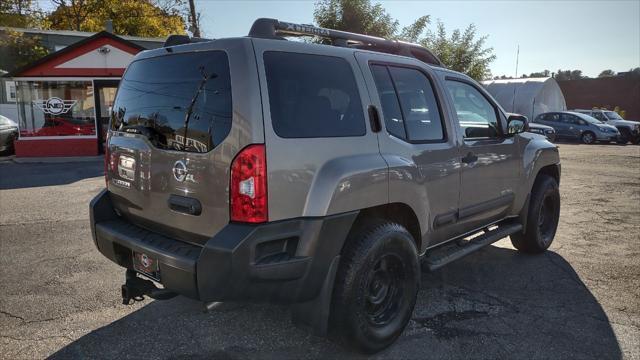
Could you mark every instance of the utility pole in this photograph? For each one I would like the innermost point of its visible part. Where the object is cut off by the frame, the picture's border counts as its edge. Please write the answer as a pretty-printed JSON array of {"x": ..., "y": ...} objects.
[
  {"x": 517, "y": 58},
  {"x": 195, "y": 27}
]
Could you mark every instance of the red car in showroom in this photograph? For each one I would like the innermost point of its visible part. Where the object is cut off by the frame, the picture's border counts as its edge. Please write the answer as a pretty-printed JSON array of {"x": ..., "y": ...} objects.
[{"x": 62, "y": 127}]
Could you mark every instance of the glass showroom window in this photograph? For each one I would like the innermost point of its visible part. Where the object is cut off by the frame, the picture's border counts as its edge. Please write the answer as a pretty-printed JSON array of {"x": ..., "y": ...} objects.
[{"x": 56, "y": 108}]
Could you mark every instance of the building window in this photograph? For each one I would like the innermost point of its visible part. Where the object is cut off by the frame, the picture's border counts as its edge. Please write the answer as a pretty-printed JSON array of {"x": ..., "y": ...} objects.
[
  {"x": 10, "y": 87},
  {"x": 56, "y": 108}
]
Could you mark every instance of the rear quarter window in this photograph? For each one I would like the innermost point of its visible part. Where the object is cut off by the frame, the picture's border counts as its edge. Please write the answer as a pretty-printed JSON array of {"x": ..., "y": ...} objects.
[{"x": 312, "y": 96}]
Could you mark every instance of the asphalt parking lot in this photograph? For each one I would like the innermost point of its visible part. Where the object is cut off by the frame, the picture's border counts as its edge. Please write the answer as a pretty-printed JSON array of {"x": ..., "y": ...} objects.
[{"x": 59, "y": 297}]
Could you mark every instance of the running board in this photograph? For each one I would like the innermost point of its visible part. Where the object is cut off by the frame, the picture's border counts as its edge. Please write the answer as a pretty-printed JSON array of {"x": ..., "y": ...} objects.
[{"x": 457, "y": 249}]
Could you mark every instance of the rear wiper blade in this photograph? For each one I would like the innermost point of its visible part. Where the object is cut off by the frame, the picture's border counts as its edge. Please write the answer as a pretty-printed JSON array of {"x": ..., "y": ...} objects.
[{"x": 187, "y": 116}]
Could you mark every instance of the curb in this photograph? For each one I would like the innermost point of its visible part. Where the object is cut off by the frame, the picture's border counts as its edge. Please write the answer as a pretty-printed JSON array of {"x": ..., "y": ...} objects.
[{"x": 56, "y": 160}]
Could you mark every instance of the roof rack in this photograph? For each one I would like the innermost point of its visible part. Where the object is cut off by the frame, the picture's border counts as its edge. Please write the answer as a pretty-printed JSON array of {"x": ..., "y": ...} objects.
[
  {"x": 173, "y": 40},
  {"x": 275, "y": 29}
]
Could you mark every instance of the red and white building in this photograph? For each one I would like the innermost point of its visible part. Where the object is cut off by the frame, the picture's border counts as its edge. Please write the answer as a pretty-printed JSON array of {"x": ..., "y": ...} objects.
[{"x": 64, "y": 99}]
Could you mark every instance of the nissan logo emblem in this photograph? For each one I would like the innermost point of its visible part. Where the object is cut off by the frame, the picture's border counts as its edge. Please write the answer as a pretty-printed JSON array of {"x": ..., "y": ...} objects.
[{"x": 179, "y": 171}]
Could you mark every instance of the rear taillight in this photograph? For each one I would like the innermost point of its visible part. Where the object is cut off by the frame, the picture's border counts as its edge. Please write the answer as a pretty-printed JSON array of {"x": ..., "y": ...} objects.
[
  {"x": 110, "y": 160},
  {"x": 107, "y": 159},
  {"x": 248, "y": 192}
]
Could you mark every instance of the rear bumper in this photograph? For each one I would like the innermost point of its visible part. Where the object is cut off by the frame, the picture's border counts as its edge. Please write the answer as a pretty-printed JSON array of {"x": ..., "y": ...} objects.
[{"x": 285, "y": 261}]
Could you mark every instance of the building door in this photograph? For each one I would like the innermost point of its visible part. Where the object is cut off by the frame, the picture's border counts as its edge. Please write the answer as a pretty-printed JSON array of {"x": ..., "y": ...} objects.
[{"x": 105, "y": 93}]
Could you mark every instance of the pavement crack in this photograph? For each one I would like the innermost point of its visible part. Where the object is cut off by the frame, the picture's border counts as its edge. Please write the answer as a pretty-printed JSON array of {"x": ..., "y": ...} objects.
[
  {"x": 37, "y": 339},
  {"x": 6, "y": 313},
  {"x": 25, "y": 321}
]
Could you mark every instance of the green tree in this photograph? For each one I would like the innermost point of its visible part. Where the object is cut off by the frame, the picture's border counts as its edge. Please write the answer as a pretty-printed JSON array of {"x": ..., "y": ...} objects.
[
  {"x": 462, "y": 51},
  {"x": 18, "y": 50},
  {"x": 545, "y": 73},
  {"x": 569, "y": 75},
  {"x": 21, "y": 13},
  {"x": 607, "y": 73},
  {"x": 129, "y": 17}
]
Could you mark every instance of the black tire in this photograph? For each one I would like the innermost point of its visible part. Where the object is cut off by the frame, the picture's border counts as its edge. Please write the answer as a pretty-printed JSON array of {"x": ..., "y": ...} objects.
[
  {"x": 542, "y": 218},
  {"x": 376, "y": 287},
  {"x": 636, "y": 140},
  {"x": 588, "y": 138},
  {"x": 625, "y": 136}
]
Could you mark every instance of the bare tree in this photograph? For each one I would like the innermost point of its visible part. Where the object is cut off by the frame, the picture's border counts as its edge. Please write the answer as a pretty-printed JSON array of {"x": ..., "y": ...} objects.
[{"x": 194, "y": 19}]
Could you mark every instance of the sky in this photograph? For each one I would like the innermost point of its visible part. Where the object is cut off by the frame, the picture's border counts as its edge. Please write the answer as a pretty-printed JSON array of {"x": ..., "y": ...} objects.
[{"x": 587, "y": 35}]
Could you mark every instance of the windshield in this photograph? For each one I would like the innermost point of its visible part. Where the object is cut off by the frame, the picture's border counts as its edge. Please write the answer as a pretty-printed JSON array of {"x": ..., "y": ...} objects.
[
  {"x": 612, "y": 115},
  {"x": 589, "y": 119},
  {"x": 180, "y": 102}
]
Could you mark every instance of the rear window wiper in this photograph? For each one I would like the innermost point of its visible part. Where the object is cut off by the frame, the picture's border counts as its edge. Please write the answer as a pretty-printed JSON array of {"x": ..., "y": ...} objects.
[{"x": 187, "y": 116}]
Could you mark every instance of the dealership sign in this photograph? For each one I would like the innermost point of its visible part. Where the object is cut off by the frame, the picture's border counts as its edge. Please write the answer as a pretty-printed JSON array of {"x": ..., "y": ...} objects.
[{"x": 54, "y": 105}]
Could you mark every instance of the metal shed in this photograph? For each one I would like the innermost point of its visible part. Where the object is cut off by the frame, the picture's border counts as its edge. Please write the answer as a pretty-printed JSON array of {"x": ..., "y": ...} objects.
[{"x": 527, "y": 96}]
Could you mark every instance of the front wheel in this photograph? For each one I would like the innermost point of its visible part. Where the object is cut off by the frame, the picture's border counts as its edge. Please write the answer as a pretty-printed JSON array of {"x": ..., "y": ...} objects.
[
  {"x": 588, "y": 138},
  {"x": 542, "y": 218},
  {"x": 376, "y": 287}
]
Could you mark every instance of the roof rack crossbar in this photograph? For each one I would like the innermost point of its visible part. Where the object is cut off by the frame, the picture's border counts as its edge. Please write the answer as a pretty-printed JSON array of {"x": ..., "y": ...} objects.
[{"x": 275, "y": 29}]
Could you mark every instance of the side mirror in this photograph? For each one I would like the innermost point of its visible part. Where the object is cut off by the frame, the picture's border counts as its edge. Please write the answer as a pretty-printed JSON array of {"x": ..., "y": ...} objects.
[{"x": 517, "y": 124}]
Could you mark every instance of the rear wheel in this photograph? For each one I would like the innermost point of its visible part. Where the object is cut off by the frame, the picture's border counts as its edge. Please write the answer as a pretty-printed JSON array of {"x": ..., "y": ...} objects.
[
  {"x": 588, "y": 137},
  {"x": 542, "y": 218},
  {"x": 376, "y": 287}
]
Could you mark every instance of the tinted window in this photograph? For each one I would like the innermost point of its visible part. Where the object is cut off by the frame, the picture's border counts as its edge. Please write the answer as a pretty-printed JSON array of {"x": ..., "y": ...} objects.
[
  {"x": 476, "y": 115},
  {"x": 418, "y": 103},
  {"x": 389, "y": 100},
  {"x": 408, "y": 103},
  {"x": 571, "y": 120},
  {"x": 156, "y": 95},
  {"x": 598, "y": 115},
  {"x": 312, "y": 96},
  {"x": 552, "y": 117}
]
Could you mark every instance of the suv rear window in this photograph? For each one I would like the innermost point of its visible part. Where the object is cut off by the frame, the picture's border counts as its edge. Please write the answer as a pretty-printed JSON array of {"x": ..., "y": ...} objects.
[
  {"x": 156, "y": 95},
  {"x": 312, "y": 96}
]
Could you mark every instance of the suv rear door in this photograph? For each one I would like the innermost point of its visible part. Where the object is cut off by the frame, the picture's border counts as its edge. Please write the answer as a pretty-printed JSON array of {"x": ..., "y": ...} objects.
[
  {"x": 417, "y": 140},
  {"x": 171, "y": 175}
]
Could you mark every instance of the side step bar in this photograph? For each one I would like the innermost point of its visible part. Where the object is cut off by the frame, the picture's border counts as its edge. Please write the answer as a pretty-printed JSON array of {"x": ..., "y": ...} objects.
[{"x": 457, "y": 249}]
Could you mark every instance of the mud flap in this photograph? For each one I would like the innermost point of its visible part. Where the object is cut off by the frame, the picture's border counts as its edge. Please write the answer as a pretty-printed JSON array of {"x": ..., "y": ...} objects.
[{"x": 313, "y": 315}]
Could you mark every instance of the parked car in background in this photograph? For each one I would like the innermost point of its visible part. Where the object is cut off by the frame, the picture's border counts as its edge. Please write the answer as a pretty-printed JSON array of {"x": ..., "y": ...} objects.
[
  {"x": 574, "y": 125},
  {"x": 629, "y": 130},
  {"x": 545, "y": 130},
  {"x": 8, "y": 133}
]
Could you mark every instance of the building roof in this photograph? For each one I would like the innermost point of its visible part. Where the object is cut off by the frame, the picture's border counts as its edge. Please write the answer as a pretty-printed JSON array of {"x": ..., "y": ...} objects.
[
  {"x": 51, "y": 62},
  {"x": 78, "y": 33}
]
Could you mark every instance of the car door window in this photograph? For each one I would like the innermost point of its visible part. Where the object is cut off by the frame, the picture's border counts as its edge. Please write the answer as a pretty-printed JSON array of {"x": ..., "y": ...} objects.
[
  {"x": 476, "y": 115},
  {"x": 409, "y": 104},
  {"x": 569, "y": 119},
  {"x": 389, "y": 101}
]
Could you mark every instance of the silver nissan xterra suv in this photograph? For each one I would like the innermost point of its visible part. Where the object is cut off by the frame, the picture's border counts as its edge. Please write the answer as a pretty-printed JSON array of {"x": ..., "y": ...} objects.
[{"x": 321, "y": 176}]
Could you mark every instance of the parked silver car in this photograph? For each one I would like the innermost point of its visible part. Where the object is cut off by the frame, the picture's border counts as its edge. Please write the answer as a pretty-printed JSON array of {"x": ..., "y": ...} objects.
[
  {"x": 574, "y": 125},
  {"x": 629, "y": 130},
  {"x": 8, "y": 134},
  {"x": 321, "y": 176}
]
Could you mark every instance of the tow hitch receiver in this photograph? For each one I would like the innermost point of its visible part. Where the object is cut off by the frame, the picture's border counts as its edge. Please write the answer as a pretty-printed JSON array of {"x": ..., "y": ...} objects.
[{"x": 135, "y": 288}]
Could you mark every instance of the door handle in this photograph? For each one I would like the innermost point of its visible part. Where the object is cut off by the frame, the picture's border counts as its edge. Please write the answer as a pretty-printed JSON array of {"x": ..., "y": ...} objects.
[
  {"x": 185, "y": 205},
  {"x": 470, "y": 158},
  {"x": 374, "y": 119}
]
